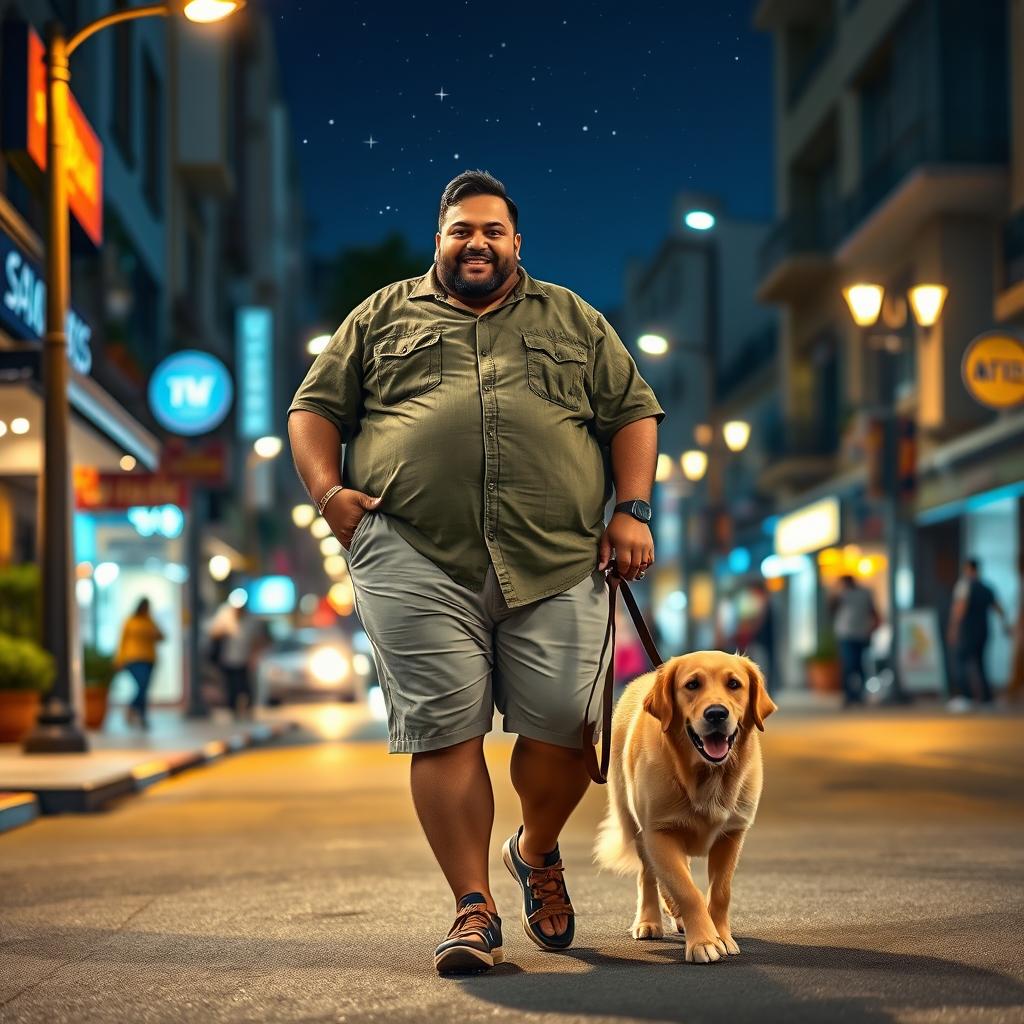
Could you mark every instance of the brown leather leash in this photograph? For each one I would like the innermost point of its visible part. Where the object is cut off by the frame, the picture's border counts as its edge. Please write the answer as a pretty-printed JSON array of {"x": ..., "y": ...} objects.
[{"x": 599, "y": 772}]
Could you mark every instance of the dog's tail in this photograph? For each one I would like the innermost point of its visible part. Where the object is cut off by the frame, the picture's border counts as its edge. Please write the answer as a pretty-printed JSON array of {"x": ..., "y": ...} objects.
[{"x": 613, "y": 848}]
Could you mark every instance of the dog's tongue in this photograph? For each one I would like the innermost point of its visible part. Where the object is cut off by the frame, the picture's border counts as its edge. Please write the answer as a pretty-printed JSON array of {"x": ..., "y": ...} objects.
[{"x": 716, "y": 745}]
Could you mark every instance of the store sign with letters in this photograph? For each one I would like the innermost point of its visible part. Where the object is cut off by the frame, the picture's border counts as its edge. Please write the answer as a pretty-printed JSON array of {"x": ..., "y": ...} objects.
[
  {"x": 808, "y": 529},
  {"x": 190, "y": 393},
  {"x": 95, "y": 491},
  {"x": 993, "y": 370},
  {"x": 24, "y": 123},
  {"x": 254, "y": 336},
  {"x": 23, "y": 306}
]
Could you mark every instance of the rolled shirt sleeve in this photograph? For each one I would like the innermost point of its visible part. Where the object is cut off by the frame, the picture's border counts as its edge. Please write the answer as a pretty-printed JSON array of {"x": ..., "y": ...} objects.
[
  {"x": 620, "y": 395},
  {"x": 333, "y": 387}
]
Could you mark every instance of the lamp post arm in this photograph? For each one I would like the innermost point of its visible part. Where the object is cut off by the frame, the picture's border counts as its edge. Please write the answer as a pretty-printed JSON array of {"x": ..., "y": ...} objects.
[{"x": 114, "y": 18}]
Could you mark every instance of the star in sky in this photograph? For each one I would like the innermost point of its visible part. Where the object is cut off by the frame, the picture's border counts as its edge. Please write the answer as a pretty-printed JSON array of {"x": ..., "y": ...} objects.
[
  {"x": 442, "y": 94},
  {"x": 371, "y": 141}
]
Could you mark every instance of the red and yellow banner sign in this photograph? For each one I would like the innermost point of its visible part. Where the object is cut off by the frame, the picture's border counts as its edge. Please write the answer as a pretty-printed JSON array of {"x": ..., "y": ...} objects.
[
  {"x": 85, "y": 152},
  {"x": 95, "y": 491}
]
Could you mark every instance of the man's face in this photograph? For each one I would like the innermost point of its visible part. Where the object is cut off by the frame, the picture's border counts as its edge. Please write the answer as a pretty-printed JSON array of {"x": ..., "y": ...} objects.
[{"x": 477, "y": 250}]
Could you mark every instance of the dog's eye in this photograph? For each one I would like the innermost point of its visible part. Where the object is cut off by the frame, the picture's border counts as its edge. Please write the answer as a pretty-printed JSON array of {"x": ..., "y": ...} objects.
[
  {"x": 734, "y": 684},
  {"x": 692, "y": 684}
]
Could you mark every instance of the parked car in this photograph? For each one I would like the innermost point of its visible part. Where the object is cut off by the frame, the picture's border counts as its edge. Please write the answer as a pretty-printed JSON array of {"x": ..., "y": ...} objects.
[{"x": 312, "y": 663}]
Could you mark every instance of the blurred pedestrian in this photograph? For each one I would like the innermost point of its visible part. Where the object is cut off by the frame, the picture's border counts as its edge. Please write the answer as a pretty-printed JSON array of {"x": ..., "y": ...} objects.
[
  {"x": 854, "y": 619},
  {"x": 762, "y": 635},
  {"x": 968, "y": 636},
  {"x": 1015, "y": 687},
  {"x": 137, "y": 655},
  {"x": 237, "y": 638}
]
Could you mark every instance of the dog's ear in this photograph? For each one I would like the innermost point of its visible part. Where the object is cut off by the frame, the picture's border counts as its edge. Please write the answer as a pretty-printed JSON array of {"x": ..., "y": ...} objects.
[
  {"x": 661, "y": 698},
  {"x": 759, "y": 704}
]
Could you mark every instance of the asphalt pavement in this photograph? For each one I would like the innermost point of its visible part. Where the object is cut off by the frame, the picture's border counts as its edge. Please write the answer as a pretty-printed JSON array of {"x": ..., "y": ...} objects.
[{"x": 883, "y": 881}]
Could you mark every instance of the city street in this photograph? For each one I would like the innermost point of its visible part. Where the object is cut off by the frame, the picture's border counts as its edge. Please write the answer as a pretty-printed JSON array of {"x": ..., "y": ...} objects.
[{"x": 882, "y": 882}]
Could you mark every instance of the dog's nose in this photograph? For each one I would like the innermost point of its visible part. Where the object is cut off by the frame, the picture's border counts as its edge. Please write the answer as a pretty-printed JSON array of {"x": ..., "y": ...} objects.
[{"x": 716, "y": 713}]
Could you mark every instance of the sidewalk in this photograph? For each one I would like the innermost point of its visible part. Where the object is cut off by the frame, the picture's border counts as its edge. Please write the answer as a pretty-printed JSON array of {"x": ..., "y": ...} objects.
[{"x": 121, "y": 760}]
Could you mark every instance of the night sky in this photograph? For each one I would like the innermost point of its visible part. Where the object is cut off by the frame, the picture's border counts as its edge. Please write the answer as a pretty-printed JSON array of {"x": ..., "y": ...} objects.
[{"x": 592, "y": 118}]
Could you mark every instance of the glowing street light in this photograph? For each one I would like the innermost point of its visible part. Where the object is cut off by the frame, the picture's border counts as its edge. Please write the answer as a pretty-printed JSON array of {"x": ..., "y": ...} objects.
[
  {"x": 694, "y": 464},
  {"x": 927, "y": 300},
  {"x": 652, "y": 344},
  {"x": 267, "y": 447},
  {"x": 57, "y": 729},
  {"x": 736, "y": 434},
  {"x": 865, "y": 302},
  {"x": 316, "y": 345},
  {"x": 699, "y": 220},
  {"x": 303, "y": 515},
  {"x": 320, "y": 528},
  {"x": 220, "y": 567}
]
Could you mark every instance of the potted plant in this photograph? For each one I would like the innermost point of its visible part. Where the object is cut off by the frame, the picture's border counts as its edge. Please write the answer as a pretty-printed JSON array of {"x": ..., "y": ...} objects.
[
  {"x": 822, "y": 668},
  {"x": 26, "y": 672},
  {"x": 99, "y": 671}
]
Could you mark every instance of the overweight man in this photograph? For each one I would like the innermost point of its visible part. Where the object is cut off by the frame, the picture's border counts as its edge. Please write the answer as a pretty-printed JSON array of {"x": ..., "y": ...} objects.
[{"x": 479, "y": 409}]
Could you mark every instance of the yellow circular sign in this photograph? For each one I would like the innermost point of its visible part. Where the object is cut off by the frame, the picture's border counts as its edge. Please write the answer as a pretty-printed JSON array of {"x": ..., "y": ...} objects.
[{"x": 993, "y": 370}]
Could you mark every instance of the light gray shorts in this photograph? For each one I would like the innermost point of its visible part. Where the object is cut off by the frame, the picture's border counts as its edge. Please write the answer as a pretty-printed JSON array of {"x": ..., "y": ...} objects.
[{"x": 447, "y": 657}]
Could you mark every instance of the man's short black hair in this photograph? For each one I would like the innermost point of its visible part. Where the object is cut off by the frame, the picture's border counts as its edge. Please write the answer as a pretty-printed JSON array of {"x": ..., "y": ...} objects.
[
  {"x": 973, "y": 563},
  {"x": 475, "y": 183},
  {"x": 847, "y": 580}
]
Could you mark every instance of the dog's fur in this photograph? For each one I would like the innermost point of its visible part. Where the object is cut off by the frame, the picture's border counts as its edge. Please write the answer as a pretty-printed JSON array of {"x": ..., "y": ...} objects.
[{"x": 667, "y": 802}]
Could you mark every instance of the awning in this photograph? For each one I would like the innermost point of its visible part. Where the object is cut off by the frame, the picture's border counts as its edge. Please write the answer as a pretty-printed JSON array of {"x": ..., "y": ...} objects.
[{"x": 102, "y": 430}]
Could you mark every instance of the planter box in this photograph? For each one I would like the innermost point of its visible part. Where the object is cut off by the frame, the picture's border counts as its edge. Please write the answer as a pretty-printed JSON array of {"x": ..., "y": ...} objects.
[
  {"x": 95, "y": 706},
  {"x": 824, "y": 676},
  {"x": 18, "y": 712}
]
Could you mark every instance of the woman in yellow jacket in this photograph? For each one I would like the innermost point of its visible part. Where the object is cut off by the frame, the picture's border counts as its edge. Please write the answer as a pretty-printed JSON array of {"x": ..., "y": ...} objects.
[{"x": 137, "y": 654}]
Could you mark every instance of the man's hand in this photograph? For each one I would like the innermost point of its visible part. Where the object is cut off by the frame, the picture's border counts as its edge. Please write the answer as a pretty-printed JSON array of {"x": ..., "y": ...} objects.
[
  {"x": 345, "y": 511},
  {"x": 632, "y": 543}
]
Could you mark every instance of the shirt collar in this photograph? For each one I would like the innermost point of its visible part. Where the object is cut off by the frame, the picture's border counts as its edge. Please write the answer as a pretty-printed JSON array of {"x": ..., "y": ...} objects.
[{"x": 429, "y": 286}]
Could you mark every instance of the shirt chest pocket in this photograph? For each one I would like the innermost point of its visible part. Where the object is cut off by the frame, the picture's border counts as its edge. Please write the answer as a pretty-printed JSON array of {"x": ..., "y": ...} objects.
[
  {"x": 555, "y": 368},
  {"x": 408, "y": 365}
]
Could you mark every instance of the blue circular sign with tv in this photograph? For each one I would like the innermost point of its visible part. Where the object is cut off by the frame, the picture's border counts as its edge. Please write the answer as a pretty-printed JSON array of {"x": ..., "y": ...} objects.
[{"x": 190, "y": 393}]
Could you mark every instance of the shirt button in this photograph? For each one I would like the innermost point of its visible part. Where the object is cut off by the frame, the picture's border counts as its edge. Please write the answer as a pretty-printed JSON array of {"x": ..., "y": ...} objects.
[
  {"x": 405, "y": 348},
  {"x": 490, "y": 433},
  {"x": 491, "y": 486},
  {"x": 490, "y": 536}
]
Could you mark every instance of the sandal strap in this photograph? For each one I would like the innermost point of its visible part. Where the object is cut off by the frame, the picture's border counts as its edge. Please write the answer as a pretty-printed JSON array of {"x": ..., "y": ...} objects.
[
  {"x": 547, "y": 886},
  {"x": 472, "y": 920}
]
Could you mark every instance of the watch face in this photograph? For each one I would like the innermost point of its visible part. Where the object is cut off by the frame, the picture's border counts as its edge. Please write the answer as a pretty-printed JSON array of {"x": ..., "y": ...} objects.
[{"x": 643, "y": 510}]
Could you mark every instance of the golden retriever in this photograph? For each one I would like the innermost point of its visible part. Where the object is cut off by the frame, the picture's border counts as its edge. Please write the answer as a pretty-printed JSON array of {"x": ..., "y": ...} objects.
[{"x": 684, "y": 781}]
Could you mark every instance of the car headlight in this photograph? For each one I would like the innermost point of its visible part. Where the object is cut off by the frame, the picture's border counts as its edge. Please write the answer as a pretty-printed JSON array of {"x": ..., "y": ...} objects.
[{"x": 329, "y": 666}]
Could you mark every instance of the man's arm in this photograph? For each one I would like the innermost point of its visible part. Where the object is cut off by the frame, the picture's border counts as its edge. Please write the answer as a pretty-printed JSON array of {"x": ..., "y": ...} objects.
[
  {"x": 634, "y": 451},
  {"x": 316, "y": 449}
]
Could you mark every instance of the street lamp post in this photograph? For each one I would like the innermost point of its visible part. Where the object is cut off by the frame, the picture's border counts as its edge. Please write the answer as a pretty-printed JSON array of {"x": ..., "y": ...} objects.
[
  {"x": 865, "y": 301},
  {"x": 57, "y": 729}
]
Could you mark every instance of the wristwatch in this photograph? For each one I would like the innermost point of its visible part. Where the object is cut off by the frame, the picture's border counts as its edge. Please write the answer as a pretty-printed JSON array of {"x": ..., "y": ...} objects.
[{"x": 637, "y": 508}]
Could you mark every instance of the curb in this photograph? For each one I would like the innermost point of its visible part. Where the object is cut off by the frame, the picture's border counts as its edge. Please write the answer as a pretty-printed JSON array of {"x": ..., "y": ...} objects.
[{"x": 20, "y": 808}]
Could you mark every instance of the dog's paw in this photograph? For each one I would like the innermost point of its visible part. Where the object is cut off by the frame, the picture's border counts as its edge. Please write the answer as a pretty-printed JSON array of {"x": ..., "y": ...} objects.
[
  {"x": 646, "y": 930},
  {"x": 730, "y": 944},
  {"x": 705, "y": 950},
  {"x": 679, "y": 926}
]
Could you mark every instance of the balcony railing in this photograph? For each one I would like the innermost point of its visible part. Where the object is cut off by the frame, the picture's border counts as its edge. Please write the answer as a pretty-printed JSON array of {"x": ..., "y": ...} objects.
[
  {"x": 799, "y": 235},
  {"x": 754, "y": 353},
  {"x": 811, "y": 66},
  {"x": 917, "y": 145}
]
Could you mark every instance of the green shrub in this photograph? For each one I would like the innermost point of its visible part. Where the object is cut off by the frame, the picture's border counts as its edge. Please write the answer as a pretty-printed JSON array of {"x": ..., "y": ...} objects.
[
  {"x": 24, "y": 665},
  {"x": 98, "y": 668},
  {"x": 21, "y": 602}
]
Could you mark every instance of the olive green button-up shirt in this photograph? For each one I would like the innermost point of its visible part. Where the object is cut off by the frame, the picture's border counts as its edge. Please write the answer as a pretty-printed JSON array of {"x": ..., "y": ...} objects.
[{"x": 485, "y": 435}]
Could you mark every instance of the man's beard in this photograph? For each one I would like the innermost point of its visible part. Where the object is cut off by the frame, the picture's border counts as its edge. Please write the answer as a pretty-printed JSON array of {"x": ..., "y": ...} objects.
[{"x": 477, "y": 287}]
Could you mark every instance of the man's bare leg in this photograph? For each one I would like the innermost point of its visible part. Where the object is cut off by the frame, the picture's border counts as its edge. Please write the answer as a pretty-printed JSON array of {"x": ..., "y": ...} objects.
[
  {"x": 451, "y": 791},
  {"x": 550, "y": 781}
]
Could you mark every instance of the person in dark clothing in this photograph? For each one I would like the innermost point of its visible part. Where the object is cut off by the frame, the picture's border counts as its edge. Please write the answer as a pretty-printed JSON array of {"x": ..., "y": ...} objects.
[
  {"x": 762, "y": 638},
  {"x": 968, "y": 635},
  {"x": 854, "y": 619}
]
